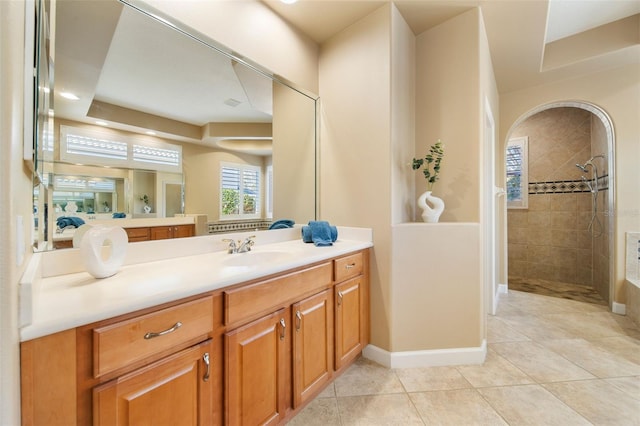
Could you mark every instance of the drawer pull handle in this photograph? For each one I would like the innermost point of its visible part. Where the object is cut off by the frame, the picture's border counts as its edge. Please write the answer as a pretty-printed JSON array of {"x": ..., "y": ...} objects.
[
  {"x": 205, "y": 358},
  {"x": 350, "y": 266},
  {"x": 283, "y": 326},
  {"x": 340, "y": 295},
  {"x": 299, "y": 322},
  {"x": 152, "y": 334}
]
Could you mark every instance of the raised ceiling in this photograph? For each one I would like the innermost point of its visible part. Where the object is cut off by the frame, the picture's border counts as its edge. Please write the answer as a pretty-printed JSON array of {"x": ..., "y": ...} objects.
[{"x": 517, "y": 31}]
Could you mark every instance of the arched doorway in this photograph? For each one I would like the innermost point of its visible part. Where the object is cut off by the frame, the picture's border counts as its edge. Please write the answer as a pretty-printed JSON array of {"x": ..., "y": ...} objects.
[{"x": 565, "y": 233}]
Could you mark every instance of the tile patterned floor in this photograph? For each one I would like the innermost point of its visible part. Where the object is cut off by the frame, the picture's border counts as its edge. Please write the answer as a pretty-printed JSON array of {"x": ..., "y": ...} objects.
[
  {"x": 550, "y": 361},
  {"x": 577, "y": 292}
]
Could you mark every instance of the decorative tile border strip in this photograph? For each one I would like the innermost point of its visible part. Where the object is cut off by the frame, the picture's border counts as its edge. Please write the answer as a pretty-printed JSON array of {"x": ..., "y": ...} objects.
[
  {"x": 220, "y": 227},
  {"x": 566, "y": 186}
]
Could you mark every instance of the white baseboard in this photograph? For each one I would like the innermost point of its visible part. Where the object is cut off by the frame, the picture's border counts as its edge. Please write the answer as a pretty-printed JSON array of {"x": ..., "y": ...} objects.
[
  {"x": 619, "y": 308},
  {"x": 503, "y": 288},
  {"x": 426, "y": 358}
]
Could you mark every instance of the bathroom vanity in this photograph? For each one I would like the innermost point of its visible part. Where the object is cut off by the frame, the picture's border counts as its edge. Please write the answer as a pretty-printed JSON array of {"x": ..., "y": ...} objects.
[{"x": 222, "y": 339}]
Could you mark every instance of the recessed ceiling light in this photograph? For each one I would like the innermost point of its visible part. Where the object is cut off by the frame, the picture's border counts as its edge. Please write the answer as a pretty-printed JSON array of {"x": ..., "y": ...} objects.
[
  {"x": 102, "y": 123},
  {"x": 149, "y": 132},
  {"x": 69, "y": 95},
  {"x": 288, "y": 1}
]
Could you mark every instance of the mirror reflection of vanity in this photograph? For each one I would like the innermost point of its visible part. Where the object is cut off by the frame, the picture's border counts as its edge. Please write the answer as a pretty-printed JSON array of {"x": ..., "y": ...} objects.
[{"x": 147, "y": 122}]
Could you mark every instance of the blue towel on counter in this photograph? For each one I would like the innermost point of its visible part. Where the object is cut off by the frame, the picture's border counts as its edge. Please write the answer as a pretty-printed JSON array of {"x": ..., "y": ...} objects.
[
  {"x": 119, "y": 215},
  {"x": 320, "y": 233},
  {"x": 282, "y": 224},
  {"x": 65, "y": 221}
]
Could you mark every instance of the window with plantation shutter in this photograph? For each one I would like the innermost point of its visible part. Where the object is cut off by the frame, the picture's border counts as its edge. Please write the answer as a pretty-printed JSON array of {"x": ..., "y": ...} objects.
[
  {"x": 240, "y": 194},
  {"x": 517, "y": 173}
]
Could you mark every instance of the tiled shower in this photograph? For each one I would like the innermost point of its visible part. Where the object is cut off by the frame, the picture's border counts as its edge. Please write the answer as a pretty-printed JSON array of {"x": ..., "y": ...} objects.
[{"x": 551, "y": 240}]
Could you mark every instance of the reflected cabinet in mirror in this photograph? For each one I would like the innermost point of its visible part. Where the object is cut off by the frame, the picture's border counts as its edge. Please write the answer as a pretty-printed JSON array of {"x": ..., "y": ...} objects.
[{"x": 144, "y": 120}]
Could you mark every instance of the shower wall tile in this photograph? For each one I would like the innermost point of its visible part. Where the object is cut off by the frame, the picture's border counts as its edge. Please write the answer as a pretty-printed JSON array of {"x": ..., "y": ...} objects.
[
  {"x": 565, "y": 220},
  {"x": 541, "y": 254},
  {"x": 550, "y": 240},
  {"x": 540, "y": 202},
  {"x": 517, "y": 217},
  {"x": 517, "y": 252},
  {"x": 584, "y": 276},
  {"x": 564, "y": 202},
  {"x": 567, "y": 238},
  {"x": 517, "y": 235},
  {"x": 584, "y": 202},
  {"x": 539, "y": 219}
]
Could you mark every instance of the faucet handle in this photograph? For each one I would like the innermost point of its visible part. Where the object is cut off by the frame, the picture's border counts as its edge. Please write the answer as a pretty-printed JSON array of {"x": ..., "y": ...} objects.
[{"x": 232, "y": 245}]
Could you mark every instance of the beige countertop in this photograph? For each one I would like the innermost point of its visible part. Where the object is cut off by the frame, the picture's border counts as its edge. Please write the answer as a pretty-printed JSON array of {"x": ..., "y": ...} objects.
[{"x": 54, "y": 301}]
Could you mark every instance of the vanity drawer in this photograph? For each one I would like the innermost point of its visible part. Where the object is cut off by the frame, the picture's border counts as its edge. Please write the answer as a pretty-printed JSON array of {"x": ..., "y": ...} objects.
[
  {"x": 245, "y": 303},
  {"x": 348, "y": 267},
  {"x": 138, "y": 234},
  {"x": 123, "y": 343}
]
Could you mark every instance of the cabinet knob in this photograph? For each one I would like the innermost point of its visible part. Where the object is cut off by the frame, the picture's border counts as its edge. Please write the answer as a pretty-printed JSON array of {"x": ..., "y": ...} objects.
[
  {"x": 350, "y": 265},
  {"x": 340, "y": 295},
  {"x": 205, "y": 358}
]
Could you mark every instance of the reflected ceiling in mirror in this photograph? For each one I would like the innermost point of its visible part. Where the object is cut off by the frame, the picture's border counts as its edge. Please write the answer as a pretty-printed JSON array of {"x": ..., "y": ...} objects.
[
  {"x": 140, "y": 75},
  {"x": 144, "y": 78}
]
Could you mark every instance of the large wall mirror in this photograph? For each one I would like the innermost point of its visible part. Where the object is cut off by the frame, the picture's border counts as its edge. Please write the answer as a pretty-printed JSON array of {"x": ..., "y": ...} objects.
[{"x": 137, "y": 118}]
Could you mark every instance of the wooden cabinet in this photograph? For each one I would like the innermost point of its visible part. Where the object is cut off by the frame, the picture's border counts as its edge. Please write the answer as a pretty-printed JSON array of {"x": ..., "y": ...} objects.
[
  {"x": 253, "y": 353},
  {"x": 257, "y": 368},
  {"x": 173, "y": 391},
  {"x": 160, "y": 232},
  {"x": 349, "y": 327},
  {"x": 351, "y": 304},
  {"x": 174, "y": 231},
  {"x": 312, "y": 346},
  {"x": 138, "y": 234}
]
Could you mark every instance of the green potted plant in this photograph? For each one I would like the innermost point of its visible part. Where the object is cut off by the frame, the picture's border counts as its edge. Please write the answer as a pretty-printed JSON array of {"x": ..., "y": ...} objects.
[
  {"x": 430, "y": 166},
  {"x": 146, "y": 208}
]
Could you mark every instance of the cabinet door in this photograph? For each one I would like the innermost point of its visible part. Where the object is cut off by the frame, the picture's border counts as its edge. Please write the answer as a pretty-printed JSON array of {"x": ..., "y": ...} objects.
[
  {"x": 138, "y": 234},
  {"x": 161, "y": 232},
  {"x": 312, "y": 345},
  {"x": 173, "y": 391},
  {"x": 257, "y": 371},
  {"x": 349, "y": 330},
  {"x": 183, "y": 231}
]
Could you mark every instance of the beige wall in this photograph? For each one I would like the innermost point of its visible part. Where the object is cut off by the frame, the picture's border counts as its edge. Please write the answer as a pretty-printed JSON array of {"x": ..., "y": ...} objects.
[
  {"x": 355, "y": 179},
  {"x": 15, "y": 200},
  {"x": 617, "y": 92},
  {"x": 202, "y": 194},
  {"x": 447, "y": 108},
  {"x": 251, "y": 29},
  {"x": 372, "y": 129},
  {"x": 403, "y": 119},
  {"x": 436, "y": 269}
]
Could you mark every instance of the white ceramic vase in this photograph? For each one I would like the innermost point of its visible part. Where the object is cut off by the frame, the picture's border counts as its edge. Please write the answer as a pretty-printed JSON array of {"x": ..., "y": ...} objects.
[
  {"x": 432, "y": 207},
  {"x": 147, "y": 208}
]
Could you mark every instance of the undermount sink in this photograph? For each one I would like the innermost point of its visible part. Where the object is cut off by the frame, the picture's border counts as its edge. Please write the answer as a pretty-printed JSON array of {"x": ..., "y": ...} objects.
[{"x": 256, "y": 258}]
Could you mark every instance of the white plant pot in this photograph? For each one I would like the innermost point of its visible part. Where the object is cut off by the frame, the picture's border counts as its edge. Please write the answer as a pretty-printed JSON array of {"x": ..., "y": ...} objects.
[{"x": 432, "y": 207}]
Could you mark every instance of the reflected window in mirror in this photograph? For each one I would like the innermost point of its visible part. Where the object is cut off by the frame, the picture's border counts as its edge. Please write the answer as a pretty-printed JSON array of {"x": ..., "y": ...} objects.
[{"x": 240, "y": 191}]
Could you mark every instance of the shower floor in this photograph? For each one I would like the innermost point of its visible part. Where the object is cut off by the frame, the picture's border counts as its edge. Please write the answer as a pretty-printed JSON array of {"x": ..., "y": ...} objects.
[{"x": 557, "y": 289}]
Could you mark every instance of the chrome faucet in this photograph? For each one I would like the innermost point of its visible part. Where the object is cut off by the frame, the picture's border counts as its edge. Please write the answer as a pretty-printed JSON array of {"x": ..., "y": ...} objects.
[
  {"x": 246, "y": 244},
  {"x": 240, "y": 246}
]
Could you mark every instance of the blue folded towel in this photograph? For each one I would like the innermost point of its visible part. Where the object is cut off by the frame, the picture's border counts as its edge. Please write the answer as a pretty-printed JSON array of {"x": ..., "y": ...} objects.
[
  {"x": 65, "y": 221},
  {"x": 282, "y": 224},
  {"x": 119, "y": 215},
  {"x": 319, "y": 233}
]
